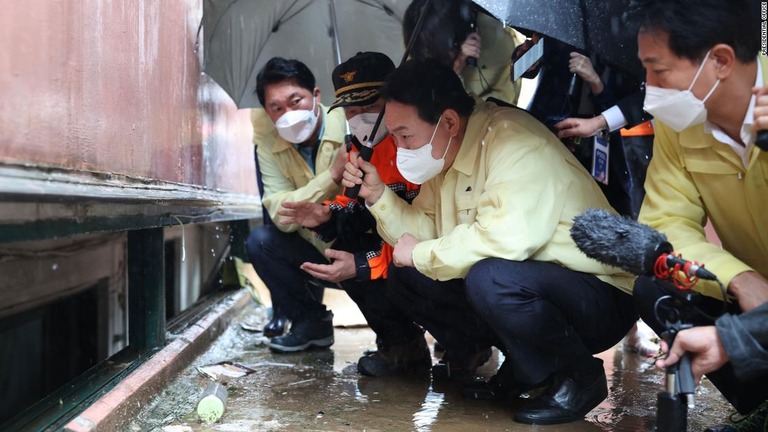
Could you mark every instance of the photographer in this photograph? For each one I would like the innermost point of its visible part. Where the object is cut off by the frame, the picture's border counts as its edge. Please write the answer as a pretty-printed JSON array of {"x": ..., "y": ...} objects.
[
  {"x": 703, "y": 88},
  {"x": 453, "y": 32}
]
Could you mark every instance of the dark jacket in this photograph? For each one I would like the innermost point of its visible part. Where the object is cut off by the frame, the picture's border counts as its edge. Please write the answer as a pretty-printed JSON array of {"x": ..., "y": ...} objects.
[
  {"x": 352, "y": 228},
  {"x": 745, "y": 339}
]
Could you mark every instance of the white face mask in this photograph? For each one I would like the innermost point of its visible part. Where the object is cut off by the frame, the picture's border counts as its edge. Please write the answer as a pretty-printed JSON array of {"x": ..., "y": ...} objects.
[
  {"x": 297, "y": 126},
  {"x": 361, "y": 126},
  {"x": 678, "y": 109},
  {"x": 418, "y": 165}
]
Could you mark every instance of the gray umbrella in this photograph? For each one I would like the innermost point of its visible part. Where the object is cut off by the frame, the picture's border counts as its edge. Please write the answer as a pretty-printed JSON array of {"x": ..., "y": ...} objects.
[
  {"x": 240, "y": 36},
  {"x": 594, "y": 26}
]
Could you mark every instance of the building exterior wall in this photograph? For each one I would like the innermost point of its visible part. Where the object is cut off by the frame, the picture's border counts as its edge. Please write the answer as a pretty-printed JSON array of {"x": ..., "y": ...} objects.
[
  {"x": 115, "y": 86},
  {"x": 108, "y": 126}
]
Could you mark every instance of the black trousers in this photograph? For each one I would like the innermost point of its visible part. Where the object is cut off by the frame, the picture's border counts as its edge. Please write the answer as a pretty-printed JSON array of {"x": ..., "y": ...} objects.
[
  {"x": 545, "y": 318},
  {"x": 440, "y": 307},
  {"x": 276, "y": 256},
  {"x": 549, "y": 319},
  {"x": 744, "y": 396}
]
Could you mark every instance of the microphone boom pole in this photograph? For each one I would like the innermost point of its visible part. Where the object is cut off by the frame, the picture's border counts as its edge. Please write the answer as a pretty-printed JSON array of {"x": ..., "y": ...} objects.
[{"x": 641, "y": 250}]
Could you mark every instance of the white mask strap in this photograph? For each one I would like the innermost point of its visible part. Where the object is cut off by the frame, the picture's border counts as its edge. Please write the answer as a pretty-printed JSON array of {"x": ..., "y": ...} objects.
[
  {"x": 435, "y": 131},
  {"x": 447, "y": 147},
  {"x": 711, "y": 91},
  {"x": 698, "y": 72}
]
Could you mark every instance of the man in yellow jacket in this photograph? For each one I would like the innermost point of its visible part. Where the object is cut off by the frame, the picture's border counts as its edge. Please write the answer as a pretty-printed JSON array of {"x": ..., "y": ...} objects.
[
  {"x": 483, "y": 255},
  {"x": 301, "y": 158},
  {"x": 705, "y": 88}
]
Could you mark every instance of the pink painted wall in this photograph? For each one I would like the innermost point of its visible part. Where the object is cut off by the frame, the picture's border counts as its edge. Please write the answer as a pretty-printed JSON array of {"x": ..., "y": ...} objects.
[{"x": 116, "y": 86}]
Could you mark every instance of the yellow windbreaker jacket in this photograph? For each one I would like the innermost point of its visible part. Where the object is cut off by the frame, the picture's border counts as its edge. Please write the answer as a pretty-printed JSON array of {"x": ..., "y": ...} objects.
[
  {"x": 692, "y": 177},
  {"x": 512, "y": 192},
  {"x": 286, "y": 175}
]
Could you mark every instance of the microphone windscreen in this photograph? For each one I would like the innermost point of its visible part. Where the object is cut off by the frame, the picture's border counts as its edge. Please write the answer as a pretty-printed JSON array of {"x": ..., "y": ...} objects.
[{"x": 617, "y": 241}]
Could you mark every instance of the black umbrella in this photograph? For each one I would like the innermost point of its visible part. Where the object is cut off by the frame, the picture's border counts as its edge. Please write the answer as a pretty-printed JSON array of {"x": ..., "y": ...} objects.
[{"x": 594, "y": 26}]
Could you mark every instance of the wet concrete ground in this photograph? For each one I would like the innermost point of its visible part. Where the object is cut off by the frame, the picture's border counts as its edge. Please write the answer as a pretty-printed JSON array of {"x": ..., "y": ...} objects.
[{"x": 321, "y": 391}]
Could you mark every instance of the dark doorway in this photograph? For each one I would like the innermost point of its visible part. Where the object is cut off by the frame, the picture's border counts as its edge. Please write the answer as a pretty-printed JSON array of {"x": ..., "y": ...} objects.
[{"x": 45, "y": 348}]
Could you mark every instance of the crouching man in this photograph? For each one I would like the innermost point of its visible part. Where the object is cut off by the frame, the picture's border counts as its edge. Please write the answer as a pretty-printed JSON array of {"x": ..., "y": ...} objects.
[{"x": 483, "y": 256}]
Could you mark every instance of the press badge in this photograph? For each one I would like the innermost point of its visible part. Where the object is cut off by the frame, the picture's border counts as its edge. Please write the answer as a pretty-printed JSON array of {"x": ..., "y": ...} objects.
[{"x": 600, "y": 159}]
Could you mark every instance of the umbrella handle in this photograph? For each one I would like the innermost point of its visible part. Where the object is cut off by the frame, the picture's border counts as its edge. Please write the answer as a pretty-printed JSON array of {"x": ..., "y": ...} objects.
[
  {"x": 572, "y": 86},
  {"x": 762, "y": 140},
  {"x": 365, "y": 153}
]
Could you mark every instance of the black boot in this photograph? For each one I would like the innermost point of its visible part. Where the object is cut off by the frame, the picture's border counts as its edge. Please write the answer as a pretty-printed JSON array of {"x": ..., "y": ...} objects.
[
  {"x": 411, "y": 357},
  {"x": 305, "y": 333},
  {"x": 277, "y": 325}
]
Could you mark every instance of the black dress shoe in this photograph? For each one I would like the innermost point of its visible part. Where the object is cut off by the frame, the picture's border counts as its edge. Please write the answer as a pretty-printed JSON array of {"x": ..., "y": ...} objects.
[
  {"x": 494, "y": 390},
  {"x": 460, "y": 369},
  {"x": 501, "y": 386},
  {"x": 565, "y": 402},
  {"x": 490, "y": 390},
  {"x": 276, "y": 326}
]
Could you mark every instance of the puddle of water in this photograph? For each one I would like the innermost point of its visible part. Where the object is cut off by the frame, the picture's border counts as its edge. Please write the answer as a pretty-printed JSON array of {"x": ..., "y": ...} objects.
[{"x": 321, "y": 390}]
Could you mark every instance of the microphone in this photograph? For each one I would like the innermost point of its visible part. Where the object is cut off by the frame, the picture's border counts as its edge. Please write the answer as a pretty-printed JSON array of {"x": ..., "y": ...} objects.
[
  {"x": 629, "y": 245},
  {"x": 641, "y": 250}
]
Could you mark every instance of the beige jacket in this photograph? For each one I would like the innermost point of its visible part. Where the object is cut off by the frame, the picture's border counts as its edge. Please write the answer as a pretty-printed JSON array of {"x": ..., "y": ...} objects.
[
  {"x": 693, "y": 177},
  {"x": 512, "y": 192},
  {"x": 285, "y": 174},
  {"x": 496, "y": 43}
]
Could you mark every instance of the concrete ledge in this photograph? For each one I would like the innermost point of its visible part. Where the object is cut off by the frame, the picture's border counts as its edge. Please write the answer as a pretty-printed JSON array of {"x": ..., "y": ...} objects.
[{"x": 114, "y": 409}]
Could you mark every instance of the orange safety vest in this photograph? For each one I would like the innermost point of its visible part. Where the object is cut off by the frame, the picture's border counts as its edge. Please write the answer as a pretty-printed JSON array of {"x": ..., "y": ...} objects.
[{"x": 643, "y": 129}]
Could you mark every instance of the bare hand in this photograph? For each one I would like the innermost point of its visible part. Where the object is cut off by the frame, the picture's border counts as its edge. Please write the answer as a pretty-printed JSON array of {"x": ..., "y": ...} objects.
[
  {"x": 304, "y": 213},
  {"x": 582, "y": 66},
  {"x": 372, "y": 187},
  {"x": 703, "y": 344},
  {"x": 337, "y": 167},
  {"x": 470, "y": 48},
  {"x": 580, "y": 127},
  {"x": 761, "y": 108},
  {"x": 402, "y": 255},
  {"x": 750, "y": 289},
  {"x": 341, "y": 269}
]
